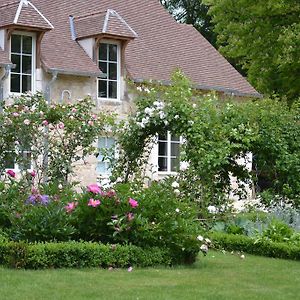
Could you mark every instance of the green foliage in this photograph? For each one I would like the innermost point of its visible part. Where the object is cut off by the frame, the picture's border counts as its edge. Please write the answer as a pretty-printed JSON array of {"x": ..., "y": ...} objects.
[
  {"x": 79, "y": 255},
  {"x": 232, "y": 242},
  {"x": 264, "y": 36},
  {"x": 193, "y": 12}
]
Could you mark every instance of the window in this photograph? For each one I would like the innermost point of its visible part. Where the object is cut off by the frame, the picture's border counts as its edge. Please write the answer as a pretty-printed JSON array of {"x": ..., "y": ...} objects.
[
  {"x": 109, "y": 64},
  {"x": 22, "y": 55},
  {"x": 106, "y": 146},
  {"x": 168, "y": 153},
  {"x": 23, "y": 164}
]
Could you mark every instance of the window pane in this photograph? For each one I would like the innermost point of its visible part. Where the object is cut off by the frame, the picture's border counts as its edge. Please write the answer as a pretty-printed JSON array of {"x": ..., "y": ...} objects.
[
  {"x": 26, "y": 163},
  {"x": 113, "y": 52},
  {"x": 26, "y": 65},
  {"x": 163, "y": 136},
  {"x": 113, "y": 71},
  {"x": 16, "y": 43},
  {"x": 102, "y": 93},
  {"x": 9, "y": 161},
  {"x": 103, "y": 52},
  {"x": 103, "y": 67},
  {"x": 174, "y": 164},
  {"x": 102, "y": 142},
  {"x": 27, "y": 44},
  {"x": 175, "y": 149},
  {"x": 16, "y": 60},
  {"x": 15, "y": 83},
  {"x": 26, "y": 83},
  {"x": 113, "y": 89},
  {"x": 110, "y": 143},
  {"x": 162, "y": 148},
  {"x": 101, "y": 168},
  {"x": 175, "y": 138},
  {"x": 162, "y": 164}
]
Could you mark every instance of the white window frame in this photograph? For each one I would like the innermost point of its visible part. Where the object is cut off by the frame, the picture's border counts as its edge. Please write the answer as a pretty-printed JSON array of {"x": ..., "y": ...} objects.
[
  {"x": 106, "y": 163},
  {"x": 118, "y": 44},
  {"x": 33, "y": 65},
  {"x": 168, "y": 156}
]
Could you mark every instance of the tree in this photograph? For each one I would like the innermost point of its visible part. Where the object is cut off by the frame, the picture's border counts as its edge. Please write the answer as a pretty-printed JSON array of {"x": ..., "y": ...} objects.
[
  {"x": 192, "y": 12},
  {"x": 264, "y": 37}
]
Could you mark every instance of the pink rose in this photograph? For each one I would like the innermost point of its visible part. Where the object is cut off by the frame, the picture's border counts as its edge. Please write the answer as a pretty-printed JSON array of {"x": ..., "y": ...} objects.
[
  {"x": 45, "y": 123},
  {"x": 61, "y": 125},
  {"x": 32, "y": 173},
  {"x": 130, "y": 217},
  {"x": 94, "y": 203},
  {"x": 11, "y": 173},
  {"x": 26, "y": 122},
  {"x": 70, "y": 206},
  {"x": 94, "y": 188},
  {"x": 133, "y": 203}
]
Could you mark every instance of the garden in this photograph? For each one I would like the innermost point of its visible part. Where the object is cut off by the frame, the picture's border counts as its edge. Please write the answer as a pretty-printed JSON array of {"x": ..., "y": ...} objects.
[{"x": 48, "y": 221}]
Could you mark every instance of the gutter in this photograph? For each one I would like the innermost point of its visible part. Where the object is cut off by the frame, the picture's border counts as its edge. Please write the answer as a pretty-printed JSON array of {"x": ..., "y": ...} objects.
[
  {"x": 76, "y": 73},
  {"x": 227, "y": 91},
  {"x": 47, "y": 92},
  {"x": 8, "y": 67}
]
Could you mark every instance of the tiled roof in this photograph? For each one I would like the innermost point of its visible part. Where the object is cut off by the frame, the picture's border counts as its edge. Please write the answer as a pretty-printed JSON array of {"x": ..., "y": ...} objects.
[
  {"x": 4, "y": 58},
  {"x": 161, "y": 46},
  {"x": 23, "y": 14},
  {"x": 108, "y": 22}
]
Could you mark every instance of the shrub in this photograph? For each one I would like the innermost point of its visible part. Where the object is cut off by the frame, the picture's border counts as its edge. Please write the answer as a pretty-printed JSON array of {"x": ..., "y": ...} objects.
[
  {"x": 246, "y": 244},
  {"x": 80, "y": 255}
]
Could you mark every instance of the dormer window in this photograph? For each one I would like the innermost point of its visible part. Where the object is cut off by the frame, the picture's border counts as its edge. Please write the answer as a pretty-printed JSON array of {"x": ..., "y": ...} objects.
[
  {"x": 109, "y": 64},
  {"x": 22, "y": 55}
]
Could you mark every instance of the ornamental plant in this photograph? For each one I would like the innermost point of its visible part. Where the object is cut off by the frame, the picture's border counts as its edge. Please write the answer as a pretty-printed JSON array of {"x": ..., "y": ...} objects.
[{"x": 48, "y": 139}]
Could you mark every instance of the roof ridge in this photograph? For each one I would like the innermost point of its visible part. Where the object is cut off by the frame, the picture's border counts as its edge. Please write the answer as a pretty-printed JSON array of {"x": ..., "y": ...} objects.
[
  {"x": 9, "y": 4},
  {"x": 89, "y": 15}
]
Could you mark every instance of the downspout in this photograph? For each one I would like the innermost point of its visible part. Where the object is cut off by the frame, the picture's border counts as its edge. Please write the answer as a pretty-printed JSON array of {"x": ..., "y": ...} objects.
[
  {"x": 4, "y": 77},
  {"x": 47, "y": 95}
]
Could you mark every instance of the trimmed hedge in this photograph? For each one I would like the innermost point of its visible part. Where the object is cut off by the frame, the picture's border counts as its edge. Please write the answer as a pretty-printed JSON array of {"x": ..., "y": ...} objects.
[
  {"x": 232, "y": 242},
  {"x": 79, "y": 255}
]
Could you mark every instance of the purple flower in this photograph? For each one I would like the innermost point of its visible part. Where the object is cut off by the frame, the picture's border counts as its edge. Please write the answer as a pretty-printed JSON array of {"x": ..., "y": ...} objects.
[
  {"x": 35, "y": 199},
  {"x": 44, "y": 199}
]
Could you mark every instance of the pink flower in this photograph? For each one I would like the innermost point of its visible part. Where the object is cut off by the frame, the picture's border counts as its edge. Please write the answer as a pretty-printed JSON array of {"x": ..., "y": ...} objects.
[
  {"x": 26, "y": 122},
  {"x": 32, "y": 173},
  {"x": 15, "y": 114},
  {"x": 11, "y": 173},
  {"x": 94, "y": 203},
  {"x": 90, "y": 123},
  {"x": 45, "y": 123},
  {"x": 71, "y": 206},
  {"x": 74, "y": 110},
  {"x": 110, "y": 194},
  {"x": 130, "y": 269},
  {"x": 94, "y": 188},
  {"x": 130, "y": 217},
  {"x": 61, "y": 125},
  {"x": 133, "y": 203}
]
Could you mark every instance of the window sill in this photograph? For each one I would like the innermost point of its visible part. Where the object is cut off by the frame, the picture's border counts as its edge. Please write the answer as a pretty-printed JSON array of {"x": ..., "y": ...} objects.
[
  {"x": 165, "y": 173},
  {"x": 109, "y": 100}
]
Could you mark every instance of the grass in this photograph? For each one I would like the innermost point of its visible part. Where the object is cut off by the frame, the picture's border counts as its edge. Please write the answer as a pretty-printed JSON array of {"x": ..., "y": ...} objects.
[{"x": 216, "y": 276}]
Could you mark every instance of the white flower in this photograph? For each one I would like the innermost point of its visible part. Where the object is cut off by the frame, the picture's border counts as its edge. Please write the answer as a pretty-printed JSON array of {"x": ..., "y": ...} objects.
[
  {"x": 176, "y": 117},
  {"x": 177, "y": 192},
  {"x": 184, "y": 165},
  {"x": 166, "y": 122},
  {"x": 175, "y": 185},
  {"x": 139, "y": 88},
  {"x": 149, "y": 111},
  {"x": 162, "y": 115},
  {"x": 212, "y": 209},
  {"x": 208, "y": 241},
  {"x": 242, "y": 256},
  {"x": 147, "y": 90},
  {"x": 26, "y": 122},
  {"x": 177, "y": 210},
  {"x": 191, "y": 122},
  {"x": 60, "y": 186},
  {"x": 204, "y": 248},
  {"x": 200, "y": 238},
  {"x": 145, "y": 120},
  {"x": 194, "y": 105}
]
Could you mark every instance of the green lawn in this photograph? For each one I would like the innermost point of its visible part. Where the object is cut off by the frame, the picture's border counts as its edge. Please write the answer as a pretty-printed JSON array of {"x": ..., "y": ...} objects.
[{"x": 216, "y": 276}]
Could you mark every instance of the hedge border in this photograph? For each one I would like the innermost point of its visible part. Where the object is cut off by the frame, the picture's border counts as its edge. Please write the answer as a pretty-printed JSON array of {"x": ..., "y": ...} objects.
[
  {"x": 79, "y": 255},
  {"x": 232, "y": 242}
]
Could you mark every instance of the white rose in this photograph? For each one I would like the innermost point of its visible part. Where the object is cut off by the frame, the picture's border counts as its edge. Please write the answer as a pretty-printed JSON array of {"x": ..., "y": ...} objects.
[
  {"x": 175, "y": 185},
  {"x": 177, "y": 192},
  {"x": 212, "y": 209},
  {"x": 200, "y": 238},
  {"x": 184, "y": 165}
]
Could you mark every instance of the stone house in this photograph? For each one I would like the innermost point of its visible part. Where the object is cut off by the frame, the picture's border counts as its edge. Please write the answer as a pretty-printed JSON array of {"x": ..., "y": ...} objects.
[{"x": 70, "y": 49}]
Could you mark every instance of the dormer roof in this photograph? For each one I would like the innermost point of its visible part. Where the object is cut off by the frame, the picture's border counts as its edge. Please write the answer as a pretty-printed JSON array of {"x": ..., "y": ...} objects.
[
  {"x": 23, "y": 14},
  {"x": 108, "y": 22}
]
